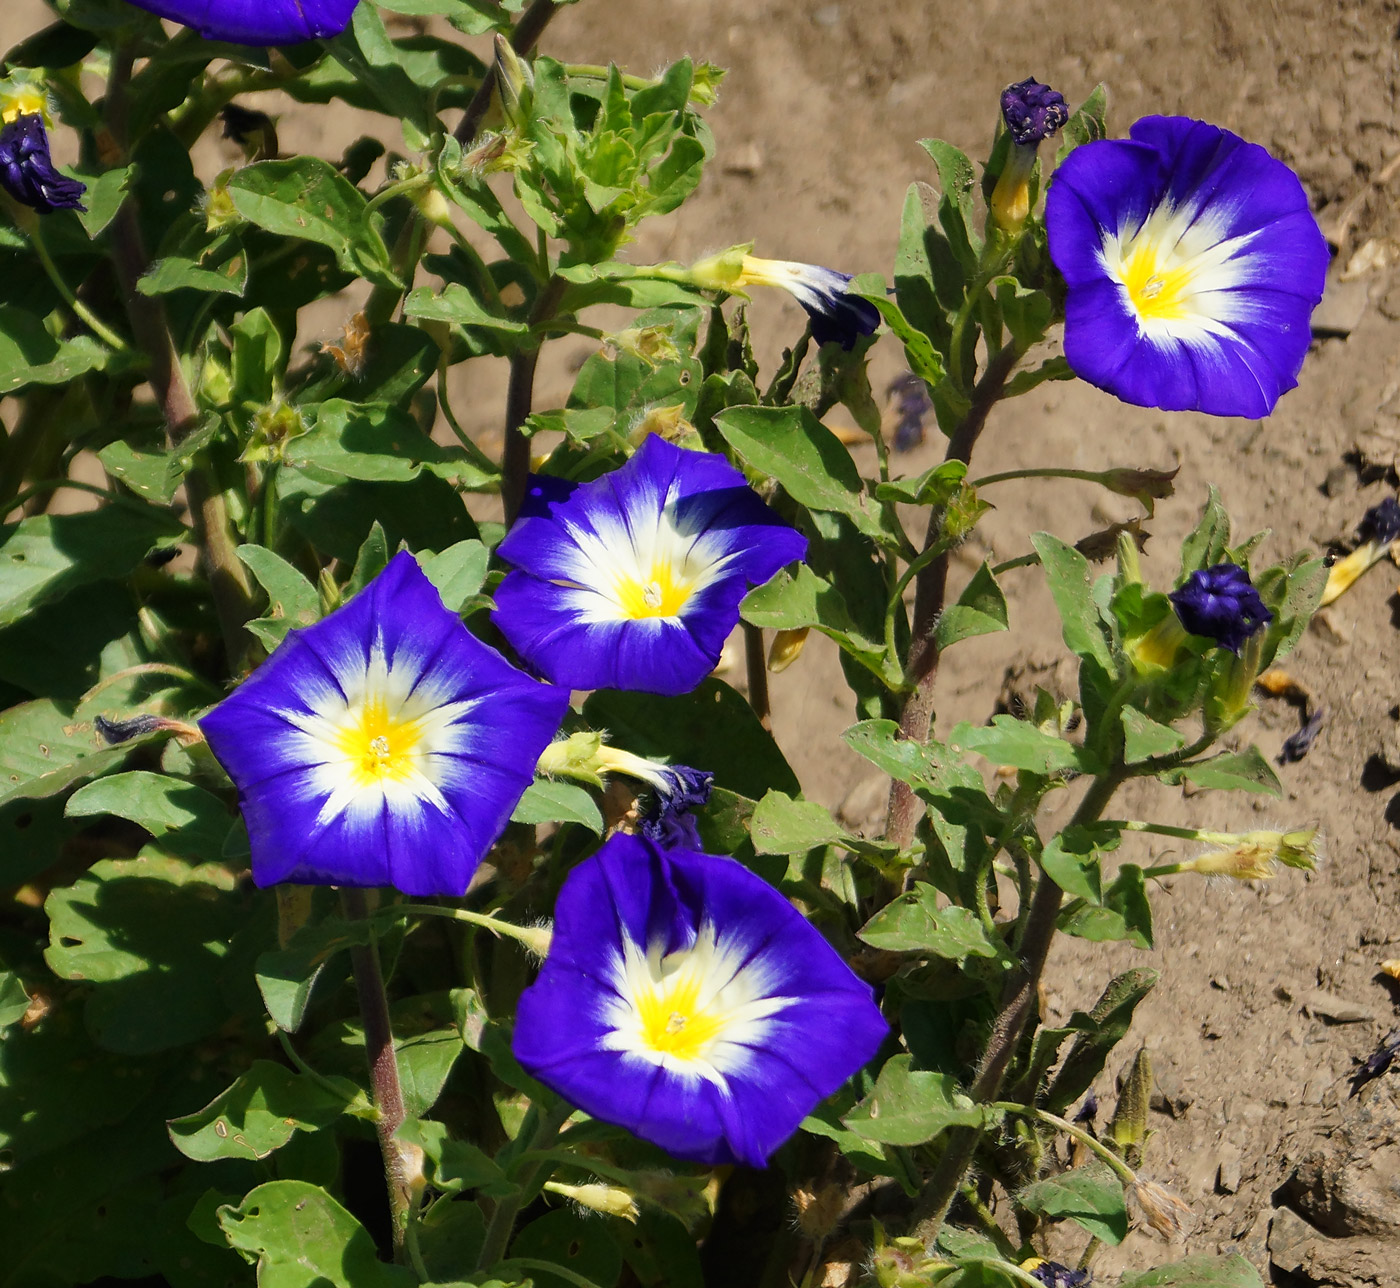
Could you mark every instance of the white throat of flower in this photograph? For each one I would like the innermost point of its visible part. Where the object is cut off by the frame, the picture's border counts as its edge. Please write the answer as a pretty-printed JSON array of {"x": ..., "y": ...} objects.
[
  {"x": 378, "y": 738},
  {"x": 1179, "y": 271},
  {"x": 698, "y": 1012},
  {"x": 640, "y": 566}
]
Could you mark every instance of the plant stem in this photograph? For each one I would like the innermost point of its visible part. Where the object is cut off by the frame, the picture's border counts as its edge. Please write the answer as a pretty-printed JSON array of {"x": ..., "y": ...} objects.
[
  {"x": 80, "y": 310},
  {"x": 756, "y": 666},
  {"x": 523, "y": 38},
  {"x": 383, "y": 1067},
  {"x": 1018, "y": 1002},
  {"x": 520, "y": 394},
  {"x": 528, "y": 1184},
  {"x": 213, "y": 529},
  {"x": 535, "y": 938},
  {"x": 930, "y": 588},
  {"x": 1046, "y": 472},
  {"x": 1119, "y": 1168}
]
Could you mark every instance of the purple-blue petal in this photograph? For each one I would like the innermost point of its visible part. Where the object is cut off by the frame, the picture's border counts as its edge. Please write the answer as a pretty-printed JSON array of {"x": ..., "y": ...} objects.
[
  {"x": 422, "y": 842},
  {"x": 634, "y": 890},
  {"x": 256, "y": 22},
  {"x": 1249, "y": 346},
  {"x": 564, "y": 624}
]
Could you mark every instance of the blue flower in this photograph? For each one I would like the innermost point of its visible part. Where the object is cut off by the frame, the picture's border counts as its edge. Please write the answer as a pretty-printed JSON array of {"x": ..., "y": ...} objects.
[
  {"x": 633, "y": 581},
  {"x": 685, "y": 999},
  {"x": 1192, "y": 264},
  {"x": 1221, "y": 604},
  {"x": 257, "y": 22},
  {"x": 27, "y": 171},
  {"x": 385, "y": 745}
]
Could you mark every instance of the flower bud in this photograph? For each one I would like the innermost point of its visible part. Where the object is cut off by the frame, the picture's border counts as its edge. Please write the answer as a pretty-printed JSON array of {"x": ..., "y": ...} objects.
[
  {"x": 787, "y": 648},
  {"x": 705, "y": 81},
  {"x": 1128, "y": 1129},
  {"x": 576, "y": 756},
  {"x": 612, "y": 1200},
  {"x": 272, "y": 429},
  {"x": 1160, "y": 1208},
  {"x": 652, "y": 344},
  {"x": 515, "y": 85},
  {"x": 1032, "y": 113},
  {"x": 1221, "y": 604}
]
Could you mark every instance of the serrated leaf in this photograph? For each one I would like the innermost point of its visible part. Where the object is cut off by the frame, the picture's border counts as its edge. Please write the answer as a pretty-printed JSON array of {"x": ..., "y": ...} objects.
[
  {"x": 782, "y": 825},
  {"x": 1091, "y": 1196},
  {"x": 303, "y": 1238},
  {"x": 545, "y": 801},
  {"x": 915, "y": 923},
  {"x": 911, "y": 1106},
  {"x": 260, "y": 1113}
]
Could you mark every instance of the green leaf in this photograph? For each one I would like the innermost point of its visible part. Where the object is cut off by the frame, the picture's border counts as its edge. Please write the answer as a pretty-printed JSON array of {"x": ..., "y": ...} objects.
[
  {"x": 14, "y": 999},
  {"x": 1071, "y": 858},
  {"x": 980, "y": 610},
  {"x": 49, "y": 555},
  {"x": 150, "y": 934},
  {"x": 937, "y": 485},
  {"x": 791, "y": 445},
  {"x": 1206, "y": 544},
  {"x": 791, "y": 600},
  {"x": 1091, "y": 1196},
  {"x": 149, "y": 467},
  {"x": 303, "y": 1238},
  {"x": 286, "y": 976},
  {"x": 29, "y": 355},
  {"x": 1085, "y": 124},
  {"x": 576, "y": 1241},
  {"x": 455, "y": 303},
  {"x": 454, "y": 1164},
  {"x": 1068, "y": 576},
  {"x": 459, "y": 572},
  {"x": 1024, "y": 381},
  {"x": 1144, "y": 738},
  {"x": 182, "y": 818},
  {"x": 782, "y": 825},
  {"x": 42, "y": 752},
  {"x": 1027, "y": 313},
  {"x": 1008, "y": 741},
  {"x": 924, "y": 360},
  {"x": 712, "y": 727},
  {"x": 957, "y": 176},
  {"x": 915, "y": 923},
  {"x": 306, "y": 198},
  {"x": 910, "y": 1106},
  {"x": 292, "y": 600},
  {"x": 260, "y": 1113},
  {"x": 550, "y": 802},
  {"x": 1100, "y": 1031},
  {"x": 372, "y": 442},
  {"x": 1205, "y": 1271},
  {"x": 1245, "y": 771},
  {"x": 220, "y": 267},
  {"x": 106, "y": 190}
]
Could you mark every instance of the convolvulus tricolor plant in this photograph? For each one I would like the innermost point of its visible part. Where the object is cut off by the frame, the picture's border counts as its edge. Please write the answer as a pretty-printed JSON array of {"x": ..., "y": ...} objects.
[{"x": 399, "y": 896}]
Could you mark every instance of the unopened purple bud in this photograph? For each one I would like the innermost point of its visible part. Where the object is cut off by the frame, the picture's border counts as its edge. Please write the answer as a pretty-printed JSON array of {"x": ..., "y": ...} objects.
[
  {"x": 27, "y": 171},
  {"x": 1381, "y": 523},
  {"x": 679, "y": 790},
  {"x": 1221, "y": 604},
  {"x": 1033, "y": 112}
]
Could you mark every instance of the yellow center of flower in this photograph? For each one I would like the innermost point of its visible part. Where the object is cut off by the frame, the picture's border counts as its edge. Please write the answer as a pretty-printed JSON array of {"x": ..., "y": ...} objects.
[
  {"x": 662, "y": 594},
  {"x": 1157, "y": 287},
  {"x": 672, "y": 1018},
  {"x": 23, "y": 102},
  {"x": 379, "y": 747}
]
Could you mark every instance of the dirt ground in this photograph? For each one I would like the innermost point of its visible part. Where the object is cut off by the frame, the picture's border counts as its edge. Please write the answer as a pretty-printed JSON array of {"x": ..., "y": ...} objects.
[{"x": 1270, "y": 993}]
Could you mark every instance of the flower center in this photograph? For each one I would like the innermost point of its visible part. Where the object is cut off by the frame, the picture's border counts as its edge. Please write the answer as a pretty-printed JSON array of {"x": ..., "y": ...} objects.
[
  {"x": 1160, "y": 284},
  {"x": 661, "y": 594},
  {"x": 673, "y": 1018},
  {"x": 378, "y": 745}
]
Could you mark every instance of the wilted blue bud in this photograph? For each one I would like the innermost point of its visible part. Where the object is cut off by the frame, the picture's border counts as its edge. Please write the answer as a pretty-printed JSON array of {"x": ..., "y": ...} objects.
[
  {"x": 1033, "y": 112},
  {"x": 27, "y": 171},
  {"x": 1221, "y": 604},
  {"x": 677, "y": 789}
]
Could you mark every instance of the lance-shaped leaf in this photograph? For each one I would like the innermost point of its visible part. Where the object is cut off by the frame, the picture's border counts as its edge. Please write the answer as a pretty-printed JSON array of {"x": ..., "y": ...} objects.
[{"x": 1205, "y": 1271}]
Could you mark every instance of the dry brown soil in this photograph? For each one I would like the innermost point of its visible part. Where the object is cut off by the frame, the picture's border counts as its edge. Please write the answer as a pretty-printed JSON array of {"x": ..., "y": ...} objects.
[{"x": 1269, "y": 993}]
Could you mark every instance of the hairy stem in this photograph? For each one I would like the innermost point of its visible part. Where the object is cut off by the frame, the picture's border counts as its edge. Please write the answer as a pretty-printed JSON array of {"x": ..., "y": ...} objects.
[
  {"x": 523, "y": 38},
  {"x": 383, "y": 1068},
  {"x": 1018, "y": 1004},
  {"x": 531, "y": 1177},
  {"x": 930, "y": 590}
]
